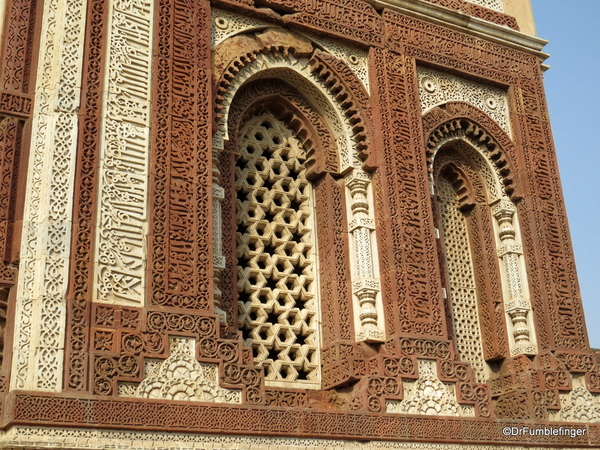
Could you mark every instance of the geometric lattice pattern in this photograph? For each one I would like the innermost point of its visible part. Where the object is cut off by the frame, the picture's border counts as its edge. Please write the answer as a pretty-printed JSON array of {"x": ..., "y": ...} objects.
[
  {"x": 461, "y": 280},
  {"x": 275, "y": 251},
  {"x": 496, "y": 5}
]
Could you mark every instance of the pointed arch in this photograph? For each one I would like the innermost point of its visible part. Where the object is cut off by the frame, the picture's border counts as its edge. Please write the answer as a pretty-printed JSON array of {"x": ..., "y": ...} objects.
[
  {"x": 472, "y": 177},
  {"x": 323, "y": 122},
  {"x": 461, "y": 121}
]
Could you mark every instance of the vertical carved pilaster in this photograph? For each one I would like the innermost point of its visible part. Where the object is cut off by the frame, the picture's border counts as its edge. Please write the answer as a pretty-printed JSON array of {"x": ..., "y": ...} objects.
[
  {"x": 122, "y": 227},
  {"x": 517, "y": 304},
  {"x": 218, "y": 258},
  {"x": 365, "y": 286}
]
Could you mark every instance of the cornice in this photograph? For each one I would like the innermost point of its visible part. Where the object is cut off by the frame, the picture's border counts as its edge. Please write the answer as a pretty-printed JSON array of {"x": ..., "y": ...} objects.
[{"x": 467, "y": 24}]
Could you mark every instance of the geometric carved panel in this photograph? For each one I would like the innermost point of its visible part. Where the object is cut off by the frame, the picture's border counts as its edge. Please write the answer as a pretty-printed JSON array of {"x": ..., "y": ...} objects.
[
  {"x": 278, "y": 311},
  {"x": 461, "y": 280}
]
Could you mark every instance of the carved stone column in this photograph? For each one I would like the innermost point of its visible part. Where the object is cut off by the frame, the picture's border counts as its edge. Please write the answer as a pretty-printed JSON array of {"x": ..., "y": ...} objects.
[
  {"x": 365, "y": 286},
  {"x": 517, "y": 304},
  {"x": 218, "y": 259}
]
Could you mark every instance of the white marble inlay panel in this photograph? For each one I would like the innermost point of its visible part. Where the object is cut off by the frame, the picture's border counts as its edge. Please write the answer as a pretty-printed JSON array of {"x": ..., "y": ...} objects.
[
  {"x": 123, "y": 191},
  {"x": 45, "y": 248}
]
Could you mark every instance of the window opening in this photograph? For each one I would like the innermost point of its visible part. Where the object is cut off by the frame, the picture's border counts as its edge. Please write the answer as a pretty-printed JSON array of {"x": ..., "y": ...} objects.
[
  {"x": 278, "y": 310},
  {"x": 461, "y": 279}
]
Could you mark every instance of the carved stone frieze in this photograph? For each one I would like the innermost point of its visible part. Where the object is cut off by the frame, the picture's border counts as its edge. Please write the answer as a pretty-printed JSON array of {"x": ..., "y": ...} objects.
[{"x": 28, "y": 437}]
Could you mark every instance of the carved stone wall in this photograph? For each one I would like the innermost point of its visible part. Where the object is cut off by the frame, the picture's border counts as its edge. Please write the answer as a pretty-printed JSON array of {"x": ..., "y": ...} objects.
[{"x": 143, "y": 158}]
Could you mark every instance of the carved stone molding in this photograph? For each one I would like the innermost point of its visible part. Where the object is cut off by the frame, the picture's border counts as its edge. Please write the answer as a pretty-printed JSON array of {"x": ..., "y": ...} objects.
[{"x": 29, "y": 437}]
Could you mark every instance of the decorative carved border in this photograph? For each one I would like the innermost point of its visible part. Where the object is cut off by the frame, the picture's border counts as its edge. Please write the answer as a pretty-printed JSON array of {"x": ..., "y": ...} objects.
[
  {"x": 355, "y": 20},
  {"x": 179, "y": 244},
  {"x": 17, "y": 69},
  {"x": 45, "y": 252},
  {"x": 84, "y": 216},
  {"x": 411, "y": 275},
  {"x": 210, "y": 418}
]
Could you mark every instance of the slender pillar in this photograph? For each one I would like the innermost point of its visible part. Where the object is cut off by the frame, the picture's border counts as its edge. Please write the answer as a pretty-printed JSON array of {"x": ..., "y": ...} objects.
[
  {"x": 365, "y": 286},
  {"x": 517, "y": 304}
]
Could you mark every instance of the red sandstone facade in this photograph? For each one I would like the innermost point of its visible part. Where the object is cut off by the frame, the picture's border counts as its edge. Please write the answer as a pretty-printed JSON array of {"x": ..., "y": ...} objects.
[{"x": 106, "y": 344}]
